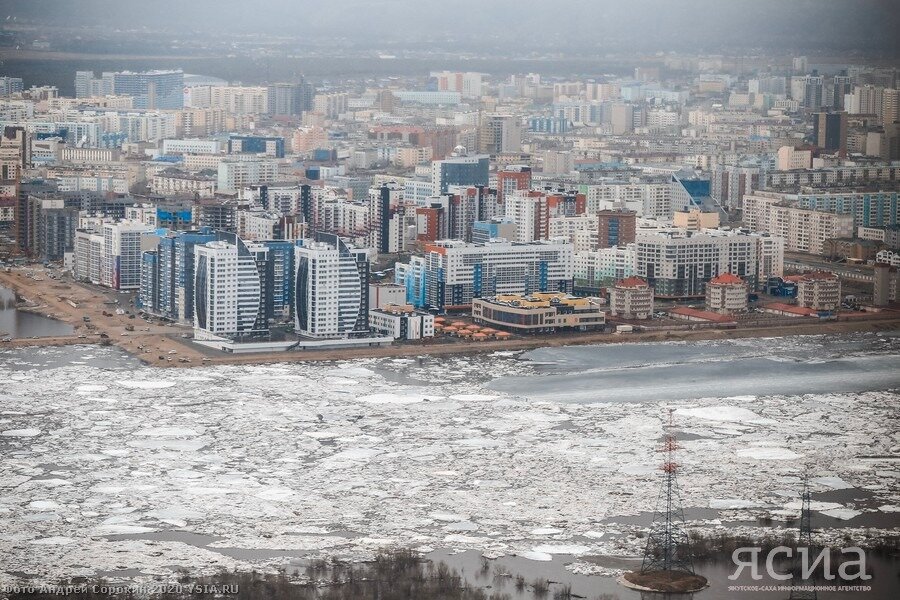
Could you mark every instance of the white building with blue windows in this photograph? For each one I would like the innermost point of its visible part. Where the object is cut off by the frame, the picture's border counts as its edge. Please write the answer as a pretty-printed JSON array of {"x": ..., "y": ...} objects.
[{"x": 453, "y": 272}]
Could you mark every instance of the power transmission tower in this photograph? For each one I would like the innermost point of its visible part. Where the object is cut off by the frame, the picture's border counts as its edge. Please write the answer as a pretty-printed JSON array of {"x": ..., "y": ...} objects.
[
  {"x": 803, "y": 589},
  {"x": 668, "y": 547}
]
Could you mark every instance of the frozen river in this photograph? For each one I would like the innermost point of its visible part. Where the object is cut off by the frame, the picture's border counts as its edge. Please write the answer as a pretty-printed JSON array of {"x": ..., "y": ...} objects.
[{"x": 107, "y": 465}]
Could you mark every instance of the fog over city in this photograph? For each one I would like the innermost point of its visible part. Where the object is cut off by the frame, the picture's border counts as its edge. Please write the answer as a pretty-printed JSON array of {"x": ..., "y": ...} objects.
[{"x": 860, "y": 25}]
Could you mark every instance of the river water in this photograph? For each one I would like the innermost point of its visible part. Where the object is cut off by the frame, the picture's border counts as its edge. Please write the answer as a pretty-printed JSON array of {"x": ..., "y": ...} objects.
[
  {"x": 22, "y": 324},
  {"x": 683, "y": 370}
]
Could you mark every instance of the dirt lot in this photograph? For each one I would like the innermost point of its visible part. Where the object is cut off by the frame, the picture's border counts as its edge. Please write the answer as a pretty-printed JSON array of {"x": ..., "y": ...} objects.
[{"x": 51, "y": 297}]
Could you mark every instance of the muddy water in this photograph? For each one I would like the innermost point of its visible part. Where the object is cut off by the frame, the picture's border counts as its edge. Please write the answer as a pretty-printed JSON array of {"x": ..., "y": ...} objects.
[{"x": 21, "y": 324}]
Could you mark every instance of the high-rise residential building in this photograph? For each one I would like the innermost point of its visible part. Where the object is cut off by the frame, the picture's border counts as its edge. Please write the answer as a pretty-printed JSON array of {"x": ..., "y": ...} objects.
[
  {"x": 830, "y": 132},
  {"x": 842, "y": 85},
  {"x": 289, "y": 99},
  {"x": 234, "y": 100},
  {"x": 790, "y": 158},
  {"x": 615, "y": 227},
  {"x": 332, "y": 287},
  {"x": 167, "y": 274},
  {"x": 887, "y": 283},
  {"x": 10, "y": 86},
  {"x": 890, "y": 106},
  {"x": 557, "y": 162},
  {"x": 331, "y": 105},
  {"x": 461, "y": 207},
  {"x": 459, "y": 170},
  {"x": 803, "y": 229},
  {"x": 604, "y": 266},
  {"x": 679, "y": 263},
  {"x": 869, "y": 208},
  {"x": 798, "y": 89},
  {"x": 109, "y": 253},
  {"x": 453, "y": 272},
  {"x": 729, "y": 183},
  {"x": 14, "y": 157},
  {"x": 499, "y": 133},
  {"x": 622, "y": 118},
  {"x": 768, "y": 85},
  {"x": 580, "y": 230},
  {"x": 511, "y": 179},
  {"x": 814, "y": 93},
  {"x": 83, "y": 84},
  {"x": 532, "y": 210},
  {"x": 155, "y": 90},
  {"x": 844, "y": 176},
  {"x": 867, "y": 100},
  {"x": 121, "y": 261},
  {"x": 88, "y": 256},
  {"x": 228, "y": 300}
]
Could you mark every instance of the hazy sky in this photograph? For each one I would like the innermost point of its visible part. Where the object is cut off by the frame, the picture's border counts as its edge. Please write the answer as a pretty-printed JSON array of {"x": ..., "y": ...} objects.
[{"x": 825, "y": 24}]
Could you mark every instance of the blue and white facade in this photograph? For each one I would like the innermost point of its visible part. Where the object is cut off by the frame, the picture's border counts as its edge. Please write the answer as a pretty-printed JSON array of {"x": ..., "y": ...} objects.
[
  {"x": 452, "y": 273},
  {"x": 332, "y": 289},
  {"x": 227, "y": 292},
  {"x": 162, "y": 90}
]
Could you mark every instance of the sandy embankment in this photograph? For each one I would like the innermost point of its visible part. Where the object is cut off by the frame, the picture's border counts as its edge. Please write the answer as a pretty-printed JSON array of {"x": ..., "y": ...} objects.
[{"x": 162, "y": 345}]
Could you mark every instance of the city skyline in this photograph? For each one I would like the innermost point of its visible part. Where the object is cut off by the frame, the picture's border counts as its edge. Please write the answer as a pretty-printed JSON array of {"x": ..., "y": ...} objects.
[{"x": 449, "y": 300}]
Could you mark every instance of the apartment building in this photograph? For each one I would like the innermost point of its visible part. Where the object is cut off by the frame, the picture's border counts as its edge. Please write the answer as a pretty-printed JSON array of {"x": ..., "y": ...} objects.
[
  {"x": 234, "y": 174},
  {"x": 678, "y": 263},
  {"x": 631, "y": 298},
  {"x": 803, "y": 230},
  {"x": 109, "y": 253},
  {"x": 818, "y": 290},
  {"x": 452, "y": 273},
  {"x": 401, "y": 322},
  {"x": 228, "y": 290},
  {"x": 604, "y": 266},
  {"x": 726, "y": 294},
  {"x": 332, "y": 288}
]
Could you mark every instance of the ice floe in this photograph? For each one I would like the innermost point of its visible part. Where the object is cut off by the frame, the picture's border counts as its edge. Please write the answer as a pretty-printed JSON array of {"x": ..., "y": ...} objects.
[
  {"x": 187, "y": 467},
  {"x": 21, "y": 432}
]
